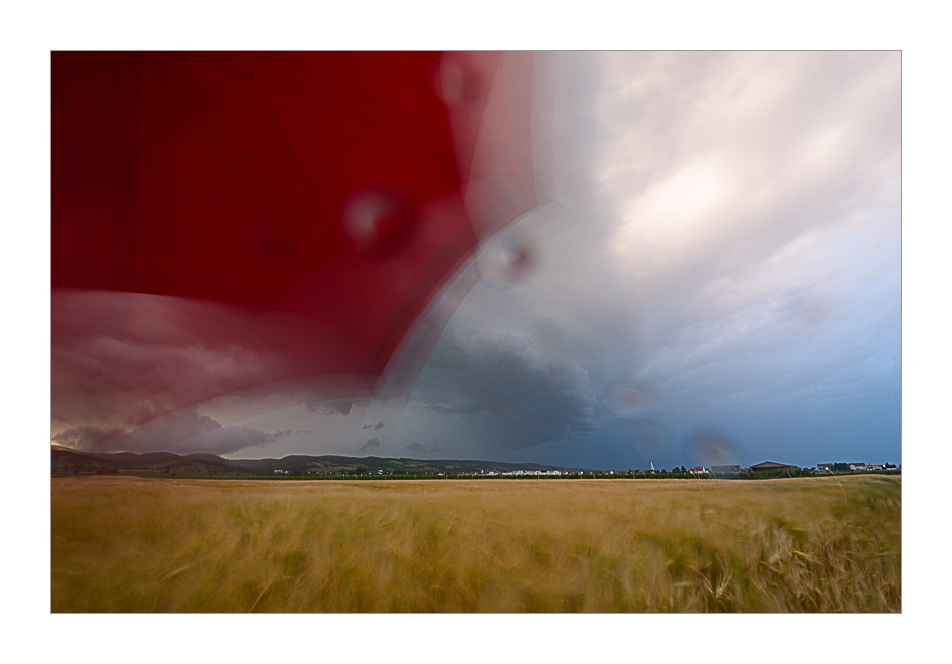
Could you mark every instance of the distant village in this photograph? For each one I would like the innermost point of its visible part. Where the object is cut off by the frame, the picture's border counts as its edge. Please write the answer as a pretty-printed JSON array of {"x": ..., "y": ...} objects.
[
  {"x": 768, "y": 466},
  {"x": 732, "y": 471},
  {"x": 66, "y": 461}
]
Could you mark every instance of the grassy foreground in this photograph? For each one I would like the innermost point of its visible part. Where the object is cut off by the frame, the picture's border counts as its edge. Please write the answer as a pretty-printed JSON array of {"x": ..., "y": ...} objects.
[{"x": 128, "y": 544}]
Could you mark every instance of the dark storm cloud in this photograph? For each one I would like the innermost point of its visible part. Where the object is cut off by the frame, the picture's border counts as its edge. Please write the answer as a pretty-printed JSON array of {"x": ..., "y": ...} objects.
[
  {"x": 182, "y": 431},
  {"x": 523, "y": 395},
  {"x": 375, "y": 427},
  {"x": 722, "y": 249},
  {"x": 371, "y": 444},
  {"x": 86, "y": 437},
  {"x": 231, "y": 439}
]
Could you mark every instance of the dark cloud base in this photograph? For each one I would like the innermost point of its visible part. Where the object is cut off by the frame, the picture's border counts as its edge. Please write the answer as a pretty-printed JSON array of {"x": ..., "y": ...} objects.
[
  {"x": 182, "y": 431},
  {"x": 371, "y": 444},
  {"x": 517, "y": 393}
]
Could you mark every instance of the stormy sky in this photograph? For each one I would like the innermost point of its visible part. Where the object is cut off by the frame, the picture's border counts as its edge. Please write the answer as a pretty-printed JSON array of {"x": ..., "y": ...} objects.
[
  {"x": 713, "y": 276},
  {"x": 716, "y": 280}
]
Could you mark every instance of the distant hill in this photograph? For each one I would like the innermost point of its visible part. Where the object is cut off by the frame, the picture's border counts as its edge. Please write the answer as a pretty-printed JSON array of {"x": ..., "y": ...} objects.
[{"x": 65, "y": 461}]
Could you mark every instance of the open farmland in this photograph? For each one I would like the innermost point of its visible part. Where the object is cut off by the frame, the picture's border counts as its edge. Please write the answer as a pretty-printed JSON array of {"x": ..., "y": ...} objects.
[{"x": 812, "y": 544}]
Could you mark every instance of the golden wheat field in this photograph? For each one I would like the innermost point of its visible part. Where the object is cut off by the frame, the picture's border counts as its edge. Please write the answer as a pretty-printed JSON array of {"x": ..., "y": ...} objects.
[{"x": 132, "y": 545}]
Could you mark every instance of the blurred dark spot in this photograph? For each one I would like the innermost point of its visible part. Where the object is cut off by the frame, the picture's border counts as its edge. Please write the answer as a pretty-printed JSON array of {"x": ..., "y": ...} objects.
[
  {"x": 515, "y": 262},
  {"x": 377, "y": 222},
  {"x": 709, "y": 444},
  {"x": 627, "y": 400},
  {"x": 507, "y": 261},
  {"x": 624, "y": 400},
  {"x": 456, "y": 82}
]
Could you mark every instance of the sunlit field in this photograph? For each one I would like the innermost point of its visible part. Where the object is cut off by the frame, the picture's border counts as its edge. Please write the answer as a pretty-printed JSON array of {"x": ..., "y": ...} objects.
[{"x": 813, "y": 544}]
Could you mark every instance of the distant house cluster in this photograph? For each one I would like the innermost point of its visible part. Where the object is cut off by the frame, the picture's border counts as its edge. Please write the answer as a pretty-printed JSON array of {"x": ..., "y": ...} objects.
[
  {"x": 773, "y": 466},
  {"x": 725, "y": 470},
  {"x": 852, "y": 466},
  {"x": 730, "y": 469}
]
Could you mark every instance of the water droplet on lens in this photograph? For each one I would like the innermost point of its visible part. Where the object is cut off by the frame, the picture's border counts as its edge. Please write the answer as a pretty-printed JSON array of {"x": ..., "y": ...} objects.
[
  {"x": 507, "y": 262},
  {"x": 456, "y": 82},
  {"x": 711, "y": 445},
  {"x": 377, "y": 223},
  {"x": 627, "y": 399}
]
